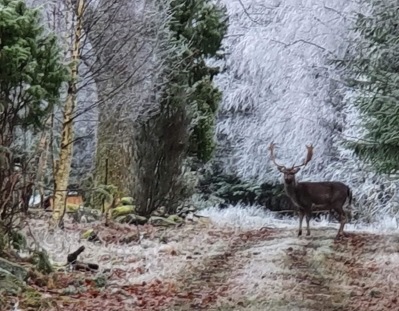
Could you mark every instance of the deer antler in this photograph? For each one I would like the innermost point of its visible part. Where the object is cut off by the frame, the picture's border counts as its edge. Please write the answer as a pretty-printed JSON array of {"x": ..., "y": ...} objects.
[
  {"x": 273, "y": 157},
  {"x": 309, "y": 156}
]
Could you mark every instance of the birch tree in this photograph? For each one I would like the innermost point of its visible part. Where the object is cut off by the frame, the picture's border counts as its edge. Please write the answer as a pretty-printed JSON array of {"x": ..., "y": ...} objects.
[
  {"x": 82, "y": 26},
  {"x": 63, "y": 164}
]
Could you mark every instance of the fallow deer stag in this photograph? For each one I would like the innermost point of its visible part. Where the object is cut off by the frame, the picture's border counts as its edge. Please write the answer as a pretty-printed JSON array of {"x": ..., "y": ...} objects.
[{"x": 307, "y": 196}]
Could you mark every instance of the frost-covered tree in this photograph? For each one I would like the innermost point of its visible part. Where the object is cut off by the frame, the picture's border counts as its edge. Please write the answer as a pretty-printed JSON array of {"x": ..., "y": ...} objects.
[
  {"x": 101, "y": 40},
  {"x": 373, "y": 73},
  {"x": 126, "y": 66},
  {"x": 31, "y": 74}
]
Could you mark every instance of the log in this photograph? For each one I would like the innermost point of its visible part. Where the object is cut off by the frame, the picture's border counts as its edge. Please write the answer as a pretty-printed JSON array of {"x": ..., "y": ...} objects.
[
  {"x": 83, "y": 266},
  {"x": 78, "y": 265},
  {"x": 72, "y": 257}
]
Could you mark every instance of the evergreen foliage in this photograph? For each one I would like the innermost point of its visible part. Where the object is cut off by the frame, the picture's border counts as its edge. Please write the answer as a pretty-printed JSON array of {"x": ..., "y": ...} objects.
[
  {"x": 31, "y": 72},
  {"x": 231, "y": 189},
  {"x": 374, "y": 74},
  {"x": 199, "y": 26},
  {"x": 187, "y": 106},
  {"x": 31, "y": 75}
]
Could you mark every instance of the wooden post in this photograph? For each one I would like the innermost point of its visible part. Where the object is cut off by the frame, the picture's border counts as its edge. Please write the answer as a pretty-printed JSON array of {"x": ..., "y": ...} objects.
[{"x": 105, "y": 183}]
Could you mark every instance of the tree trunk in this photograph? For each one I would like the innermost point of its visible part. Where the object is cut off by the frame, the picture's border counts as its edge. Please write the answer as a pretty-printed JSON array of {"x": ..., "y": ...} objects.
[
  {"x": 42, "y": 154},
  {"x": 63, "y": 166},
  {"x": 112, "y": 145}
]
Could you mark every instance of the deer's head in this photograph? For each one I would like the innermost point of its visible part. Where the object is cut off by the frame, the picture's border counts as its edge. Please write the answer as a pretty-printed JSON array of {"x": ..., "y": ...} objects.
[{"x": 289, "y": 173}]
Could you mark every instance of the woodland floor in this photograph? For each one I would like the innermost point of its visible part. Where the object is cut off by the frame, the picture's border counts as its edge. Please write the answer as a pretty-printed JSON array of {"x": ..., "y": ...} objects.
[{"x": 205, "y": 266}]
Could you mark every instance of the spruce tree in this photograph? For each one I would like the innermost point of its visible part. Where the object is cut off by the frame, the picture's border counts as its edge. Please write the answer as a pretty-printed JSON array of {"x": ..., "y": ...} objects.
[
  {"x": 199, "y": 25},
  {"x": 374, "y": 75},
  {"x": 187, "y": 102},
  {"x": 31, "y": 71},
  {"x": 31, "y": 74}
]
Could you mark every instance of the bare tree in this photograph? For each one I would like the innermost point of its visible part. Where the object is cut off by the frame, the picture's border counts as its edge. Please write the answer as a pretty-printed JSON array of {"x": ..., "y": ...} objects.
[
  {"x": 116, "y": 48},
  {"x": 128, "y": 84},
  {"x": 110, "y": 45}
]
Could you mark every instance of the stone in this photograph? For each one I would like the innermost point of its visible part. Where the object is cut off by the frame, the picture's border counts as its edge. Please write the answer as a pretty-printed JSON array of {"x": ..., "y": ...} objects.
[
  {"x": 161, "y": 211},
  {"x": 132, "y": 219},
  {"x": 9, "y": 283},
  {"x": 127, "y": 201},
  {"x": 161, "y": 221},
  {"x": 15, "y": 269},
  {"x": 90, "y": 235},
  {"x": 175, "y": 218},
  {"x": 72, "y": 208},
  {"x": 123, "y": 210}
]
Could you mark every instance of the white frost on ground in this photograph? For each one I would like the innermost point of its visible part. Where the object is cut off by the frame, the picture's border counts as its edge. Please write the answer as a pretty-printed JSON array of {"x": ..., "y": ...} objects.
[
  {"x": 151, "y": 259},
  {"x": 257, "y": 270},
  {"x": 266, "y": 276},
  {"x": 251, "y": 217}
]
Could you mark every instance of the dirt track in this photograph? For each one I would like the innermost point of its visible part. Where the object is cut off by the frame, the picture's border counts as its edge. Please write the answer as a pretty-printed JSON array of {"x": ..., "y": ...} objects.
[
  {"x": 275, "y": 270},
  {"x": 283, "y": 272},
  {"x": 213, "y": 267}
]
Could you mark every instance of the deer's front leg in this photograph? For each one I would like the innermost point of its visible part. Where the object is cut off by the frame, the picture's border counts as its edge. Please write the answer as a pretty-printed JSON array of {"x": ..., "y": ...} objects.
[
  {"x": 307, "y": 223},
  {"x": 301, "y": 215},
  {"x": 342, "y": 220}
]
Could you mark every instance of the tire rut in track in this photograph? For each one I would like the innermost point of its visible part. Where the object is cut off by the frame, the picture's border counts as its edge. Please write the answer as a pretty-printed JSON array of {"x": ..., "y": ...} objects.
[
  {"x": 208, "y": 281},
  {"x": 315, "y": 288},
  {"x": 348, "y": 275}
]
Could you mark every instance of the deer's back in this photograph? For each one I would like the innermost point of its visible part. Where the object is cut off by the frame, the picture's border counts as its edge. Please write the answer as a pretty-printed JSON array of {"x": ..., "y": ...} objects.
[{"x": 321, "y": 192}]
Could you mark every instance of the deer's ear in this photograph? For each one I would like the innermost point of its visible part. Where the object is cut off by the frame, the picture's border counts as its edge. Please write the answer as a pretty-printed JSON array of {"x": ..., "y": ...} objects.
[{"x": 296, "y": 170}]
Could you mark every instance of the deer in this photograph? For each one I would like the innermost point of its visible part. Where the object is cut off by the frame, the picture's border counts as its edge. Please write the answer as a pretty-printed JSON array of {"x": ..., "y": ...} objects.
[{"x": 307, "y": 196}]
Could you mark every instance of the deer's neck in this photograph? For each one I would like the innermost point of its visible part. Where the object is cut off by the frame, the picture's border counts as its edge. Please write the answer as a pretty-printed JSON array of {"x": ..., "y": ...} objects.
[{"x": 291, "y": 191}]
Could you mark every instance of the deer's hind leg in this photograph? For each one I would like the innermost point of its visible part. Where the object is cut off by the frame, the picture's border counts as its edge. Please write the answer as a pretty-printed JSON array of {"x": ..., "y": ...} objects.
[
  {"x": 342, "y": 221},
  {"x": 308, "y": 214},
  {"x": 301, "y": 215}
]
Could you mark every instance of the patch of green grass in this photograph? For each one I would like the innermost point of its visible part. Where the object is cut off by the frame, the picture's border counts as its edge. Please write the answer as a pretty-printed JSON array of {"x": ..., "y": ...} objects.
[{"x": 31, "y": 299}]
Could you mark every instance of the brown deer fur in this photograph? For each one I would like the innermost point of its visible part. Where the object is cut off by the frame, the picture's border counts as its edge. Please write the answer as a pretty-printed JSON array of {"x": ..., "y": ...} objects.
[{"x": 308, "y": 196}]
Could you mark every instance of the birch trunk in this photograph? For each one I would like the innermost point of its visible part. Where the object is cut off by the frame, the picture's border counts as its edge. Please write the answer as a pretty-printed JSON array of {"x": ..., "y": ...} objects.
[{"x": 63, "y": 166}]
